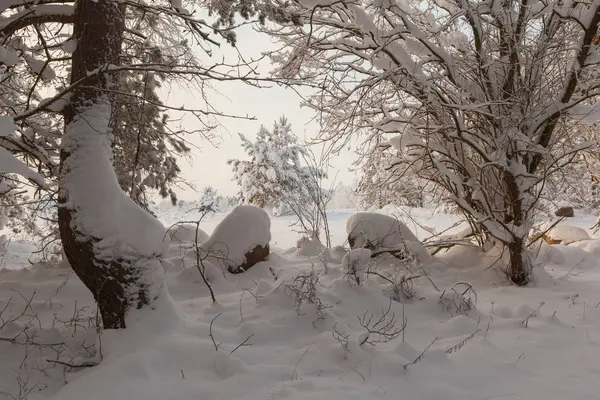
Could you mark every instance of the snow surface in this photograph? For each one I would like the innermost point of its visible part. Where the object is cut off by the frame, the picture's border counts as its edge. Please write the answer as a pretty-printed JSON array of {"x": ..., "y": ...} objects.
[
  {"x": 568, "y": 233},
  {"x": 538, "y": 342},
  {"x": 181, "y": 233}
]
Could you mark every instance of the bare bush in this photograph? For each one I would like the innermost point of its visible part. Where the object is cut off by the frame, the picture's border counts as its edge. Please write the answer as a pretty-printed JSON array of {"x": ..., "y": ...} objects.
[
  {"x": 201, "y": 255},
  {"x": 459, "y": 299},
  {"x": 382, "y": 329},
  {"x": 309, "y": 200},
  {"x": 303, "y": 290},
  {"x": 43, "y": 356},
  {"x": 342, "y": 337}
]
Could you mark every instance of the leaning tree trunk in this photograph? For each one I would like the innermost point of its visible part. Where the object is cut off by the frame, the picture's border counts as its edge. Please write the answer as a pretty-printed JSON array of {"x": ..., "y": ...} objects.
[{"x": 87, "y": 173}]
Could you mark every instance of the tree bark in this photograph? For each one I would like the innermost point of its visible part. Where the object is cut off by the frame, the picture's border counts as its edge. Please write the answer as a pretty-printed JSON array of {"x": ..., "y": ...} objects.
[
  {"x": 519, "y": 268},
  {"x": 98, "y": 28}
]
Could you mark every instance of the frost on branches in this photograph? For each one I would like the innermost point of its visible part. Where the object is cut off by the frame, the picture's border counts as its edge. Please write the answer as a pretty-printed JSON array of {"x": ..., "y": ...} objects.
[
  {"x": 576, "y": 181},
  {"x": 12, "y": 192},
  {"x": 472, "y": 93},
  {"x": 384, "y": 181}
]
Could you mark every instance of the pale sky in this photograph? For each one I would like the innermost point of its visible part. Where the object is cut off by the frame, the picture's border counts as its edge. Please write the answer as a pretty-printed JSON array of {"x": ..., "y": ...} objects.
[{"x": 209, "y": 164}]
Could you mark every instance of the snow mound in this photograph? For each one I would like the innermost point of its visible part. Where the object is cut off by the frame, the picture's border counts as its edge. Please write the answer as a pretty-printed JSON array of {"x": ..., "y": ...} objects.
[
  {"x": 549, "y": 254},
  {"x": 181, "y": 233},
  {"x": 568, "y": 234},
  {"x": 457, "y": 326},
  {"x": 590, "y": 246},
  {"x": 238, "y": 234},
  {"x": 309, "y": 246},
  {"x": 378, "y": 231}
]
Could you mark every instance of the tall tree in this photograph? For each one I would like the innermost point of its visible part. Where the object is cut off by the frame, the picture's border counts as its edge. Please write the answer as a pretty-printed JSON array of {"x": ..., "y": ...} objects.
[
  {"x": 473, "y": 92},
  {"x": 112, "y": 244},
  {"x": 86, "y": 153}
]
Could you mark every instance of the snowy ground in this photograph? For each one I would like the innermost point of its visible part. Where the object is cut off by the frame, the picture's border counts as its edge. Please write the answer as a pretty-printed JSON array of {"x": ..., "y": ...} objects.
[{"x": 539, "y": 342}]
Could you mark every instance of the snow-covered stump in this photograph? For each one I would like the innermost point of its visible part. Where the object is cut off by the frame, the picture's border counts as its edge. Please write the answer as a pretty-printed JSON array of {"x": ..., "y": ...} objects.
[
  {"x": 240, "y": 241},
  {"x": 379, "y": 232},
  {"x": 566, "y": 234}
]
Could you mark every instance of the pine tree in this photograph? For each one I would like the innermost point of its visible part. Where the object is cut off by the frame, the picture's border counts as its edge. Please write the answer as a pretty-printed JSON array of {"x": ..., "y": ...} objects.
[
  {"x": 273, "y": 168},
  {"x": 145, "y": 151}
]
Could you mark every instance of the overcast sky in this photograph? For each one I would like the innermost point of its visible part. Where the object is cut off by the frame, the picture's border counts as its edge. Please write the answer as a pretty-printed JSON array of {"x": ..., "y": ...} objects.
[{"x": 209, "y": 164}]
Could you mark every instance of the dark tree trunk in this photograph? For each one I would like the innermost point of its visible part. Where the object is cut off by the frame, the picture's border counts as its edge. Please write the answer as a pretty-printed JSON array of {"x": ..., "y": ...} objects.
[
  {"x": 519, "y": 268},
  {"x": 98, "y": 28}
]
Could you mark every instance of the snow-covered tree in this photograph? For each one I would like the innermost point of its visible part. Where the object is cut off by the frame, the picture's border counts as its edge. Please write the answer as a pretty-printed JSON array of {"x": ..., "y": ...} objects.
[
  {"x": 143, "y": 141},
  {"x": 285, "y": 175},
  {"x": 77, "y": 51},
  {"x": 471, "y": 93},
  {"x": 273, "y": 169}
]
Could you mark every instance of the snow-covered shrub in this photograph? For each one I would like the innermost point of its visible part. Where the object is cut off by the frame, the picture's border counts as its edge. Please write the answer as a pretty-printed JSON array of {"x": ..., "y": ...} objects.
[
  {"x": 240, "y": 240},
  {"x": 309, "y": 245},
  {"x": 382, "y": 232},
  {"x": 356, "y": 264},
  {"x": 481, "y": 119},
  {"x": 400, "y": 277},
  {"x": 402, "y": 287}
]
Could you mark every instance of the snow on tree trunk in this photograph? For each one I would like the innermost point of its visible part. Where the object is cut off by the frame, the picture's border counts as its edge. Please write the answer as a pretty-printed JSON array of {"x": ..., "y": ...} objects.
[{"x": 111, "y": 243}]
